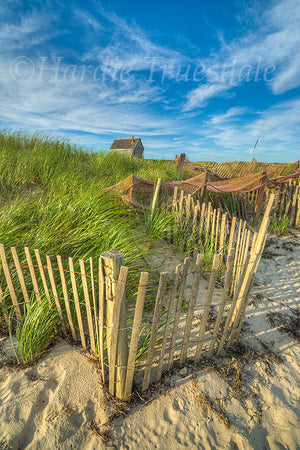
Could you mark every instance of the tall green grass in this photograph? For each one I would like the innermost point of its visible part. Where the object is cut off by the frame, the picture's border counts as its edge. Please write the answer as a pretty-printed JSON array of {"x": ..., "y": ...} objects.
[
  {"x": 35, "y": 332},
  {"x": 278, "y": 226},
  {"x": 53, "y": 198}
]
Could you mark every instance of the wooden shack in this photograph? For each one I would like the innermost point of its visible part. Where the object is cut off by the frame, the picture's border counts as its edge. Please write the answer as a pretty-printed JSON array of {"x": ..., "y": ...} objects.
[{"x": 130, "y": 147}]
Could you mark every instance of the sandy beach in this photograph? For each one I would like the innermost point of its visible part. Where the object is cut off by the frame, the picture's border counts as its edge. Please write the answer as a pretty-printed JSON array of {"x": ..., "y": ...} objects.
[{"x": 246, "y": 399}]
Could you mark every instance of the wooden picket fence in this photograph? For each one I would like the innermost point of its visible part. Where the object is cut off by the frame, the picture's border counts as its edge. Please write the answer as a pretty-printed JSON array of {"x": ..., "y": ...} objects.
[
  {"x": 214, "y": 229},
  {"x": 287, "y": 202},
  {"x": 136, "y": 350},
  {"x": 248, "y": 206},
  {"x": 240, "y": 168}
]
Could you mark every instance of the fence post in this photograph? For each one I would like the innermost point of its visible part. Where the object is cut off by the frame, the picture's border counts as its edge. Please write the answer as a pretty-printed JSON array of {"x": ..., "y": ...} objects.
[
  {"x": 180, "y": 163},
  {"x": 203, "y": 189},
  {"x": 112, "y": 263}
]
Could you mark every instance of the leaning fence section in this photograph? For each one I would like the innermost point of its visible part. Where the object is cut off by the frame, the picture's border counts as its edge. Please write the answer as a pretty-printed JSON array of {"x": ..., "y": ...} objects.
[
  {"x": 192, "y": 317},
  {"x": 245, "y": 197}
]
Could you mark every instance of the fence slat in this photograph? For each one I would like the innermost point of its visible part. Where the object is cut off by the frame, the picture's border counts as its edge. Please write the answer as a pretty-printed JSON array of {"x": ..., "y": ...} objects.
[
  {"x": 232, "y": 232},
  {"x": 282, "y": 203},
  {"x": 101, "y": 317},
  {"x": 32, "y": 274},
  {"x": 9, "y": 282},
  {"x": 222, "y": 234},
  {"x": 77, "y": 303},
  {"x": 168, "y": 319},
  {"x": 237, "y": 250},
  {"x": 237, "y": 325},
  {"x": 225, "y": 295},
  {"x": 155, "y": 194},
  {"x": 55, "y": 293},
  {"x": 208, "y": 300},
  {"x": 294, "y": 205},
  {"x": 217, "y": 229},
  {"x": 20, "y": 275},
  {"x": 135, "y": 332},
  {"x": 191, "y": 308},
  {"x": 87, "y": 304},
  {"x": 66, "y": 296},
  {"x": 188, "y": 202},
  {"x": 195, "y": 216},
  {"x": 246, "y": 248},
  {"x": 240, "y": 252},
  {"x": 297, "y": 220},
  {"x": 120, "y": 291},
  {"x": 181, "y": 201},
  {"x": 202, "y": 219},
  {"x": 232, "y": 307},
  {"x": 208, "y": 217},
  {"x": 288, "y": 201},
  {"x": 155, "y": 324},
  {"x": 175, "y": 195},
  {"x": 94, "y": 298},
  {"x": 213, "y": 227},
  {"x": 3, "y": 305},
  {"x": 186, "y": 266},
  {"x": 42, "y": 273}
]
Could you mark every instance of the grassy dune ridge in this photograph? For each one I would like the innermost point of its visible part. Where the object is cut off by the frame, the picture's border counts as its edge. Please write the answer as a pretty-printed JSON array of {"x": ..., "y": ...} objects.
[{"x": 52, "y": 198}]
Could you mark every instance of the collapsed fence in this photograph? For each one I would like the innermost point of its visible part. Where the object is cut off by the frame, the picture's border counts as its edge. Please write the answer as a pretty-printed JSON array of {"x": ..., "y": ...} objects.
[
  {"x": 249, "y": 206},
  {"x": 136, "y": 350},
  {"x": 245, "y": 197}
]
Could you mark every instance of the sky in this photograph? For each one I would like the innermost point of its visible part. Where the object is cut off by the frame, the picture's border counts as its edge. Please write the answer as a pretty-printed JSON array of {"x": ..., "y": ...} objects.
[{"x": 203, "y": 78}]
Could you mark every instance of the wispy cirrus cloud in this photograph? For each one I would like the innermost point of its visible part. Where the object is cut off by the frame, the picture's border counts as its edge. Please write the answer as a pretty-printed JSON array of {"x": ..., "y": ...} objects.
[
  {"x": 25, "y": 31},
  {"x": 49, "y": 92},
  {"x": 130, "y": 49},
  {"x": 270, "y": 54}
]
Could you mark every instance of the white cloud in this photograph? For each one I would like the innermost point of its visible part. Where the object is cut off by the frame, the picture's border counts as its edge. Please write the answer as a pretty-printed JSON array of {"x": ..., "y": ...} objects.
[
  {"x": 277, "y": 129},
  {"x": 88, "y": 106},
  {"x": 270, "y": 53},
  {"x": 130, "y": 48},
  {"x": 199, "y": 96},
  {"x": 230, "y": 115},
  {"x": 108, "y": 102},
  {"x": 29, "y": 30}
]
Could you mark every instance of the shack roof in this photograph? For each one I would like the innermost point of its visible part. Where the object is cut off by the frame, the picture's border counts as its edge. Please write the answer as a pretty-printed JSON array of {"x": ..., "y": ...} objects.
[{"x": 125, "y": 143}]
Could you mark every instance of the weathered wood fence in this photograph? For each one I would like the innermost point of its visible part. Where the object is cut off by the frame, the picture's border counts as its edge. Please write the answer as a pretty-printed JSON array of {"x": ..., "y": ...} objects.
[
  {"x": 240, "y": 168},
  {"x": 287, "y": 202},
  {"x": 208, "y": 229},
  {"x": 191, "y": 318},
  {"x": 248, "y": 206}
]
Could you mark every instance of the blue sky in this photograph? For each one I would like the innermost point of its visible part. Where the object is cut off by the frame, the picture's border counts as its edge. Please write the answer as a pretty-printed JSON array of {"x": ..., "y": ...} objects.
[{"x": 204, "y": 78}]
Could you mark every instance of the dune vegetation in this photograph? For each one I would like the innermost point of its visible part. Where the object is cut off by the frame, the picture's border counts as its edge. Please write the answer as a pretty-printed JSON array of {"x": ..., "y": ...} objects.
[{"x": 52, "y": 198}]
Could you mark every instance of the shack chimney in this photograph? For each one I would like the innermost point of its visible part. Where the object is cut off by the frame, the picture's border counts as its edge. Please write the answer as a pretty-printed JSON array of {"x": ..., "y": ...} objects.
[{"x": 132, "y": 140}]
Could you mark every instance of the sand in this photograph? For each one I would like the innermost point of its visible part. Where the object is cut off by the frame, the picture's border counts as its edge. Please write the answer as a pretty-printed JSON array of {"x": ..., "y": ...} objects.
[{"x": 248, "y": 399}]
